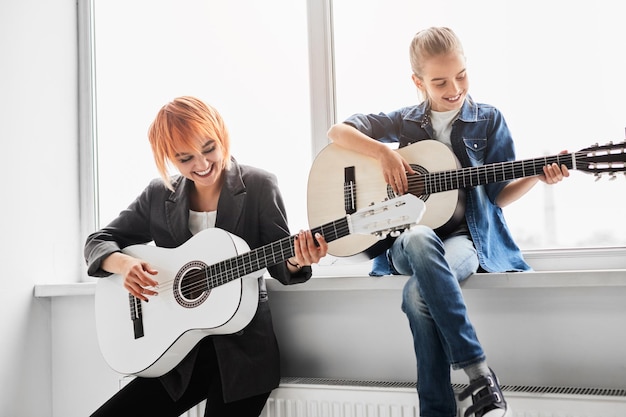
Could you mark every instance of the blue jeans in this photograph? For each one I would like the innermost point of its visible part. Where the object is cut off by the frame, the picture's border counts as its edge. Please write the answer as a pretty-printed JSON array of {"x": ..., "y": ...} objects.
[{"x": 443, "y": 336}]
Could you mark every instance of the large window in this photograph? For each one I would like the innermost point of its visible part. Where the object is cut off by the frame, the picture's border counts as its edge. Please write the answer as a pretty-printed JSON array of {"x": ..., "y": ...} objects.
[
  {"x": 553, "y": 68},
  {"x": 554, "y": 73},
  {"x": 247, "y": 58}
]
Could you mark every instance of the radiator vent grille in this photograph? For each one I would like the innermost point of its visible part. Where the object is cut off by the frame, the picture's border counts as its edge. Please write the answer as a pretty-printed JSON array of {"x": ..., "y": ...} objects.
[
  {"x": 605, "y": 392},
  {"x": 346, "y": 382}
]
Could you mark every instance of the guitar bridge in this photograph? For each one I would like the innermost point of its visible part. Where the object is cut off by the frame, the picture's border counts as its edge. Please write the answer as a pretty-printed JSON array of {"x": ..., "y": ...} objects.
[
  {"x": 349, "y": 190},
  {"x": 136, "y": 315}
]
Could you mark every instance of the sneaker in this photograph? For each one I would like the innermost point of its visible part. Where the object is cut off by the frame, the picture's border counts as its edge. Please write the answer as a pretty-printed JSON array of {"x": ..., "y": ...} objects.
[{"x": 487, "y": 398}]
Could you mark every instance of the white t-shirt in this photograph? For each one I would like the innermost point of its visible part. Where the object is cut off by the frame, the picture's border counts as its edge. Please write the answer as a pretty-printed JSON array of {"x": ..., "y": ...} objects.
[
  {"x": 442, "y": 124},
  {"x": 200, "y": 220}
]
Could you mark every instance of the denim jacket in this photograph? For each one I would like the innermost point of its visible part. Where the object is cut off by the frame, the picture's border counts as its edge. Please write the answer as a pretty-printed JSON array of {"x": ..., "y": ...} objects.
[{"x": 479, "y": 136}]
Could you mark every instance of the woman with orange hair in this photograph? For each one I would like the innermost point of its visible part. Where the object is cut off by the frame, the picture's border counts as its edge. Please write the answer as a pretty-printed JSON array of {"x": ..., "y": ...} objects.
[{"x": 235, "y": 373}]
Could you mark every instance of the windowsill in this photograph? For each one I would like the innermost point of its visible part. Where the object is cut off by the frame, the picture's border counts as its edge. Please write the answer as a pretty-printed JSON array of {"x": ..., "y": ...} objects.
[
  {"x": 63, "y": 290},
  {"x": 535, "y": 279}
]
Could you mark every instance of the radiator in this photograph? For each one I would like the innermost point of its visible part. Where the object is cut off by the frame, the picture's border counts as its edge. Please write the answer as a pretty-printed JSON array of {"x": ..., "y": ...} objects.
[{"x": 311, "y": 397}]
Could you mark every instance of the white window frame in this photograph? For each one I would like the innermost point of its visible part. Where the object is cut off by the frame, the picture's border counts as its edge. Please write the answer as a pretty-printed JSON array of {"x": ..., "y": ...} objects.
[{"x": 87, "y": 132}]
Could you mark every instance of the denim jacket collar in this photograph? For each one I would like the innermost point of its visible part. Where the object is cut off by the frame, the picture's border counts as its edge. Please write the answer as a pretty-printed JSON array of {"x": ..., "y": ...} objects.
[{"x": 421, "y": 113}]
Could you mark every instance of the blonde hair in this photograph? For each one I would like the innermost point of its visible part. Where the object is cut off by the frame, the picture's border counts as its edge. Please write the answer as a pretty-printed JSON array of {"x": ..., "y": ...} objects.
[
  {"x": 186, "y": 122},
  {"x": 432, "y": 42}
]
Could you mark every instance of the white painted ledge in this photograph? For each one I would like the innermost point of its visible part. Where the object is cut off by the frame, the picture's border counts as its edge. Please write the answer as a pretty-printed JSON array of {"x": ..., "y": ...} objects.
[
  {"x": 542, "y": 279},
  {"x": 63, "y": 290}
]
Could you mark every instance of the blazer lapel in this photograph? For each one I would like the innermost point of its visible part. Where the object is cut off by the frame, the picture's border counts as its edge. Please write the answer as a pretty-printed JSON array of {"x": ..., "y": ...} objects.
[
  {"x": 229, "y": 207},
  {"x": 232, "y": 199},
  {"x": 177, "y": 212}
]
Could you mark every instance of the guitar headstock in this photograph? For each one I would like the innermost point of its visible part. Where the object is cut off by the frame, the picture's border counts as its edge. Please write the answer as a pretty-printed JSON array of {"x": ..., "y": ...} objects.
[
  {"x": 602, "y": 159},
  {"x": 388, "y": 217}
]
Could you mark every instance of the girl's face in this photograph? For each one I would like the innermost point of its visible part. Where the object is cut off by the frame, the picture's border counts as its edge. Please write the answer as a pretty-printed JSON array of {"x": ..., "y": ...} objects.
[
  {"x": 203, "y": 168},
  {"x": 444, "y": 81}
]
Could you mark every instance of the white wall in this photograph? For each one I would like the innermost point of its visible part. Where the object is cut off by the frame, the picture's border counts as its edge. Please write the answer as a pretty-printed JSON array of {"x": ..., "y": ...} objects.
[
  {"x": 39, "y": 210},
  {"x": 81, "y": 379}
]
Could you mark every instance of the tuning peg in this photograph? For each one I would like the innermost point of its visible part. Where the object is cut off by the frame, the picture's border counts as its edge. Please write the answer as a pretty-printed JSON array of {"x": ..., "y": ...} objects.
[
  {"x": 612, "y": 176},
  {"x": 598, "y": 176},
  {"x": 395, "y": 233}
]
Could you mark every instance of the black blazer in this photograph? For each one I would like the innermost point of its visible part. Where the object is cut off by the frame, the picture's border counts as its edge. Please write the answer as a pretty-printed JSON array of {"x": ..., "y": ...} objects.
[{"x": 251, "y": 207}]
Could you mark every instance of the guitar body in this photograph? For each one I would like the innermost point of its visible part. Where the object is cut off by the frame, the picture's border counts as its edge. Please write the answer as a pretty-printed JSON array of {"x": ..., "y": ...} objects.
[
  {"x": 174, "y": 321},
  {"x": 327, "y": 192}
]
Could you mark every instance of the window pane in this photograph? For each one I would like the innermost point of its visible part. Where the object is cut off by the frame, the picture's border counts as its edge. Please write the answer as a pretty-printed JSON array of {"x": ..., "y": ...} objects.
[
  {"x": 243, "y": 57},
  {"x": 557, "y": 80}
]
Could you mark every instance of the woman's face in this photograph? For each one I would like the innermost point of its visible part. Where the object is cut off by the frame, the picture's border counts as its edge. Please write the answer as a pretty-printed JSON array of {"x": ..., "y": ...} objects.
[
  {"x": 444, "y": 81},
  {"x": 204, "y": 168}
]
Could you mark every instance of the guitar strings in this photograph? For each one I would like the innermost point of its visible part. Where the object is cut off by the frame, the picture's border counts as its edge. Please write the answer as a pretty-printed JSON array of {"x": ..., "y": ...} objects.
[
  {"x": 238, "y": 267},
  {"x": 596, "y": 159},
  {"x": 433, "y": 182}
]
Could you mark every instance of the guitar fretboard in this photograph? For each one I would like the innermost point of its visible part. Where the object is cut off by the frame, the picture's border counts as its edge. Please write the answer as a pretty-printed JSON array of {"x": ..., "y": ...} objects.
[
  {"x": 271, "y": 254},
  {"x": 434, "y": 182}
]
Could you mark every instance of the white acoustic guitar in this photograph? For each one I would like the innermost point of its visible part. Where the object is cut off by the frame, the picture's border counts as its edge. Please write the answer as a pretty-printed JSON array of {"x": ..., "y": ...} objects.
[
  {"x": 342, "y": 181},
  {"x": 208, "y": 286}
]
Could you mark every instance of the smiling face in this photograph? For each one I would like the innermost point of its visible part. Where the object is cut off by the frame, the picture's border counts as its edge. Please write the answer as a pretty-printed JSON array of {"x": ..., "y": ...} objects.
[
  {"x": 192, "y": 136},
  {"x": 203, "y": 165},
  {"x": 444, "y": 81}
]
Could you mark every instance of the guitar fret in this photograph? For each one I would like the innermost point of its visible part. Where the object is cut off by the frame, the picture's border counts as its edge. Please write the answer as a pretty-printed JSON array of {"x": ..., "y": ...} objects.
[
  {"x": 263, "y": 258},
  {"x": 494, "y": 172},
  {"x": 273, "y": 255},
  {"x": 471, "y": 175},
  {"x": 437, "y": 185},
  {"x": 246, "y": 262},
  {"x": 228, "y": 273},
  {"x": 214, "y": 272},
  {"x": 226, "y": 267},
  {"x": 325, "y": 232},
  {"x": 280, "y": 251},
  {"x": 259, "y": 265}
]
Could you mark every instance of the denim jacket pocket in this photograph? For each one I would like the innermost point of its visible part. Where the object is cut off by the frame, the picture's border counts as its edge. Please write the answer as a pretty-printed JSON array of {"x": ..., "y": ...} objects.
[{"x": 475, "y": 149}]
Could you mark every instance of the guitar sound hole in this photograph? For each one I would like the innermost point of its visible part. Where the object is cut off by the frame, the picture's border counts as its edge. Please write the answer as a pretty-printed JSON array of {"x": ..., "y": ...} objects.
[
  {"x": 416, "y": 184},
  {"x": 190, "y": 285}
]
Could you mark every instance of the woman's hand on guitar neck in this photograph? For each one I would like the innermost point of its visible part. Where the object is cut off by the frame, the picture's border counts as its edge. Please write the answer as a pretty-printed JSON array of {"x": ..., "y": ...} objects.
[{"x": 307, "y": 249}]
